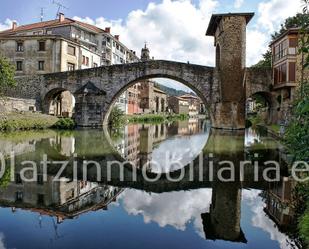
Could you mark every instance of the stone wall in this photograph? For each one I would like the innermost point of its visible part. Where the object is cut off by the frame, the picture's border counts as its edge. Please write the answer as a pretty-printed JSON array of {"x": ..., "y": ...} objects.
[{"x": 8, "y": 104}]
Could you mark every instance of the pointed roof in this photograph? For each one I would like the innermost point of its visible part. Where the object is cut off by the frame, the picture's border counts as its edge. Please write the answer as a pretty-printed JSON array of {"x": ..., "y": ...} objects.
[{"x": 90, "y": 88}]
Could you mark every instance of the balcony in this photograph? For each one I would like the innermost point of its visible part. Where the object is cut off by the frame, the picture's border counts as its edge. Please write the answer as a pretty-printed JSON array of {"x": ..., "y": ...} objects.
[{"x": 284, "y": 84}]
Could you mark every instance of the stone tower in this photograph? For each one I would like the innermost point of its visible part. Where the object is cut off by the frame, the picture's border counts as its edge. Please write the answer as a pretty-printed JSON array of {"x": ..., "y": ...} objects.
[
  {"x": 229, "y": 31},
  {"x": 145, "y": 54}
]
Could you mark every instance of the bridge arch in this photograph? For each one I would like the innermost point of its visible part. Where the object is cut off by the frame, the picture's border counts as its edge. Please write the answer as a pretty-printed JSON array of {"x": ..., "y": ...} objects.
[
  {"x": 153, "y": 76},
  {"x": 59, "y": 102}
]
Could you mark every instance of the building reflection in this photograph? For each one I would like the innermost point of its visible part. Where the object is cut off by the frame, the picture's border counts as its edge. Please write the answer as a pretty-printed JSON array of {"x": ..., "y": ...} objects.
[
  {"x": 62, "y": 199},
  {"x": 278, "y": 199},
  {"x": 139, "y": 140}
]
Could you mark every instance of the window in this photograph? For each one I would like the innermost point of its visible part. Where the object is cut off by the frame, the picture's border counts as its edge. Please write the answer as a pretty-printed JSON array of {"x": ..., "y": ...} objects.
[
  {"x": 41, "y": 65},
  {"x": 19, "y": 66},
  {"x": 18, "y": 179},
  {"x": 19, "y": 46},
  {"x": 40, "y": 180},
  {"x": 293, "y": 42},
  {"x": 280, "y": 74},
  {"x": 71, "y": 67},
  {"x": 71, "y": 50},
  {"x": 281, "y": 50},
  {"x": 40, "y": 199},
  {"x": 41, "y": 45},
  {"x": 292, "y": 71},
  {"x": 85, "y": 60},
  {"x": 19, "y": 196}
]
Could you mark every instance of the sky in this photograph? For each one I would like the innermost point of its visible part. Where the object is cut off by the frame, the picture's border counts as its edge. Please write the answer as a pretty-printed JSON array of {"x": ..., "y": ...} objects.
[{"x": 173, "y": 29}]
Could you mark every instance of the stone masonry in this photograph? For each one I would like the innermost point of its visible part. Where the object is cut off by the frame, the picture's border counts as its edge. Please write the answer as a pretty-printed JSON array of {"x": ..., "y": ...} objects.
[{"x": 222, "y": 88}]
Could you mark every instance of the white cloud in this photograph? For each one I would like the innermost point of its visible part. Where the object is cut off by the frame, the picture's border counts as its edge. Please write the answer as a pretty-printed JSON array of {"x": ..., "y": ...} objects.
[
  {"x": 238, "y": 3},
  {"x": 174, "y": 30},
  {"x": 177, "y": 209},
  {"x": 272, "y": 13},
  {"x": 6, "y": 25},
  {"x": 2, "y": 246}
]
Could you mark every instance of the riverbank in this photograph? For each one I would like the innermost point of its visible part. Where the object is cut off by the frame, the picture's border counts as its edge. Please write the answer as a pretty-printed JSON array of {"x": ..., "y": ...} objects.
[{"x": 26, "y": 121}]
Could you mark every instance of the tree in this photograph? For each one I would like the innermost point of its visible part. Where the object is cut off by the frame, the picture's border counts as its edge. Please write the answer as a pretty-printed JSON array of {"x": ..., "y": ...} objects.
[
  {"x": 296, "y": 21},
  {"x": 116, "y": 117},
  {"x": 266, "y": 61},
  {"x": 7, "y": 72}
]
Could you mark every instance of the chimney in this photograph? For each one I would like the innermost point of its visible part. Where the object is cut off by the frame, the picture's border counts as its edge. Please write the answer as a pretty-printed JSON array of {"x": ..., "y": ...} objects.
[
  {"x": 107, "y": 29},
  {"x": 61, "y": 17},
  {"x": 14, "y": 25},
  {"x": 117, "y": 37}
]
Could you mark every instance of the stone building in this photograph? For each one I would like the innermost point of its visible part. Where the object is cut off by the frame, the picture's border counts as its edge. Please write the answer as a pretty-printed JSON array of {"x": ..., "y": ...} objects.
[
  {"x": 195, "y": 104},
  {"x": 153, "y": 99},
  {"x": 178, "y": 105}
]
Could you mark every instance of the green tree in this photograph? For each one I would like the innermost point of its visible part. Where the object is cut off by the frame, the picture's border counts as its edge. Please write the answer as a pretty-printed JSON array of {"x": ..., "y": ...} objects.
[
  {"x": 116, "y": 117},
  {"x": 296, "y": 21},
  {"x": 266, "y": 61},
  {"x": 7, "y": 72}
]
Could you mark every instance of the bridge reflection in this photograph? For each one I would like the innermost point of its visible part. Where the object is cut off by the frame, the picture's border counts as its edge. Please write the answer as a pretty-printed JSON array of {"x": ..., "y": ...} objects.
[{"x": 69, "y": 198}]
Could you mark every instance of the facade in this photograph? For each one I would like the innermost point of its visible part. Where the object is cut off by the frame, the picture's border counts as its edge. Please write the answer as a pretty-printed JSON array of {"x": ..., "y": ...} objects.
[
  {"x": 195, "y": 104},
  {"x": 51, "y": 46},
  {"x": 178, "y": 105},
  {"x": 153, "y": 99},
  {"x": 286, "y": 64},
  {"x": 61, "y": 45}
]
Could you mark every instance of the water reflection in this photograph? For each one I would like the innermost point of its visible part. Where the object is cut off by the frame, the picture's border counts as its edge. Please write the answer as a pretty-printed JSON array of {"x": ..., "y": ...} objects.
[
  {"x": 253, "y": 215},
  {"x": 166, "y": 147}
]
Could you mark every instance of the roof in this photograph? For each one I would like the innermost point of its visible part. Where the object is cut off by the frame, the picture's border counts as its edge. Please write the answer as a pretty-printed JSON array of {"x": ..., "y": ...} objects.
[
  {"x": 189, "y": 96},
  {"x": 287, "y": 32},
  {"x": 158, "y": 90},
  {"x": 49, "y": 24},
  {"x": 90, "y": 88},
  {"x": 216, "y": 18}
]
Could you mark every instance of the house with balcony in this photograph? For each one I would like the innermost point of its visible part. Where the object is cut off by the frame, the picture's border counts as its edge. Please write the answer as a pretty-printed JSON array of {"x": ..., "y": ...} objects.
[{"x": 286, "y": 65}]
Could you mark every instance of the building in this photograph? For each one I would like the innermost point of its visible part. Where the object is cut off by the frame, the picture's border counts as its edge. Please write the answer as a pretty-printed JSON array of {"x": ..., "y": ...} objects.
[
  {"x": 134, "y": 99},
  {"x": 195, "y": 104},
  {"x": 153, "y": 99},
  {"x": 60, "y": 45},
  {"x": 178, "y": 105},
  {"x": 52, "y": 46},
  {"x": 286, "y": 64}
]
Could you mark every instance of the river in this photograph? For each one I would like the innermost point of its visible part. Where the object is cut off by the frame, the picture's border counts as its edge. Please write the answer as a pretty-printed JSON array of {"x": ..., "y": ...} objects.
[{"x": 110, "y": 213}]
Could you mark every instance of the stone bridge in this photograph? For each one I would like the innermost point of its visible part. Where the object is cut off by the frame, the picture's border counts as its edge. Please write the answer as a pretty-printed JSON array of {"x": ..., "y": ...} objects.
[{"x": 223, "y": 88}]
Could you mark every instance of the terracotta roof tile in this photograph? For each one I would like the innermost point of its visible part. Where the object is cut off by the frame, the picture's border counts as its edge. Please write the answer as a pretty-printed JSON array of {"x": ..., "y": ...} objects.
[{"x": 51, "y": 23}]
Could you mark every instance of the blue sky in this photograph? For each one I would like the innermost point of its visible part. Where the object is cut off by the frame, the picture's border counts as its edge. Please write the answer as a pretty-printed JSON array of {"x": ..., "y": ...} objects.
[
  {"x": 29, "y": 11},
  {"x": 174, "y": 29}
]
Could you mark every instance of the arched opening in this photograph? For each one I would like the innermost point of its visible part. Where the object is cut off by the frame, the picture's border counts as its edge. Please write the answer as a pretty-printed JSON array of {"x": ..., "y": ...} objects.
[
  {"x": 259, "y": 108},
  {"x": 59, "y": 102},
  {"x": 168, "y": 117}
]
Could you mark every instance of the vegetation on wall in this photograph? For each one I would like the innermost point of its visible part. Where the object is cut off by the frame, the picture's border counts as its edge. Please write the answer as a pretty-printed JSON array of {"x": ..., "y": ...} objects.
[
  {"x": 297, "y": 133},
  {"x": 7, "y": 72}
]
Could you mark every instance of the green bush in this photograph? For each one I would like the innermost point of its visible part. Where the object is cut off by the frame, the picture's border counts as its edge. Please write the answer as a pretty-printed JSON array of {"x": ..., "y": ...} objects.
[
  {"x": 116, "y": 117},
  {"x": 64, "y": 124}
]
